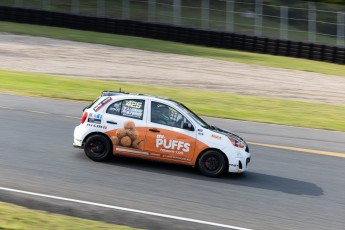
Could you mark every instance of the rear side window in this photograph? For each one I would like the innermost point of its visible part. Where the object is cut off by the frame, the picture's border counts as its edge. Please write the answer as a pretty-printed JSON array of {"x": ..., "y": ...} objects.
[
  {"x": 133, "y": 108},
  {"x": 115, "y": 108}
]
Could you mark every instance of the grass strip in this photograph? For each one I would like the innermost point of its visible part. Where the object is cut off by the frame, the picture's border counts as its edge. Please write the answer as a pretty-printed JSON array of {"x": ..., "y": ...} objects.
[
  {"x": 174, "y": 47},
  {"x": 13, "y": 217},
  {"x": 214, "y": 104}
]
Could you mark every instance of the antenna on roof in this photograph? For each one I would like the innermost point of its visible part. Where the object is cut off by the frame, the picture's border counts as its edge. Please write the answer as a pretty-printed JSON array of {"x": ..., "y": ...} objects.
[{"x": 120, "y": 90}]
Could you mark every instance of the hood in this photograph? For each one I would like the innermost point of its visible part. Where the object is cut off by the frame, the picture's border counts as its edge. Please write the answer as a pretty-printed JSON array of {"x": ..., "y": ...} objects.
[{"x": 226, "y": 133}]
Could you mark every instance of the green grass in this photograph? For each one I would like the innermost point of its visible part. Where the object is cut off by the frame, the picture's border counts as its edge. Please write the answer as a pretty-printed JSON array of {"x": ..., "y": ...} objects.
[
  {"x": 173, "y": 47},
  {"x": 13, "y": 217},
  {"x": 313, "y": 115}
]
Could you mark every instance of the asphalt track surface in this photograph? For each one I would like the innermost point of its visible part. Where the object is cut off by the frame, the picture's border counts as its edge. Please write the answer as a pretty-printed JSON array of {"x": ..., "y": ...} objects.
[{"x": 283, "y": 189}]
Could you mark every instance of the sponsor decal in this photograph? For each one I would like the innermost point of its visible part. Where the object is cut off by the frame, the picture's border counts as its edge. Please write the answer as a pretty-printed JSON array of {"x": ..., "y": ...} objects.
[
  {"x": 96, "y": 115},
  {"x": 216, "y": 136},
  {"x": 97, "y": 126},
  {"x": 95, "y": 118},
  {"x": 101, "y": 104},
  {"x": 171, "y": 146},
  {"x": 200, "y": 132},
  {"x": 176, "y": 157},
  {"x": 155, "y": 154},
  {"x": 128, "y": 136}
]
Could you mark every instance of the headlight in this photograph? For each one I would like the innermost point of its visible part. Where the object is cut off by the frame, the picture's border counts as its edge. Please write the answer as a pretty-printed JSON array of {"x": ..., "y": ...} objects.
[{"x": 237, "y": 143}]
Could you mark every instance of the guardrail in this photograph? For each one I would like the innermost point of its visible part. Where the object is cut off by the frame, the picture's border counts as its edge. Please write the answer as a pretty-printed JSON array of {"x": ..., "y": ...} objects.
[{"x": 179, "y": 34}]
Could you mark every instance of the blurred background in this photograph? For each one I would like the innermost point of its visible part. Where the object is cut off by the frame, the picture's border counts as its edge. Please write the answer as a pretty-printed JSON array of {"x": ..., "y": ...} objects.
[
  {"x": 242, "y": 64},
  {"x": 315, "y": 22}
]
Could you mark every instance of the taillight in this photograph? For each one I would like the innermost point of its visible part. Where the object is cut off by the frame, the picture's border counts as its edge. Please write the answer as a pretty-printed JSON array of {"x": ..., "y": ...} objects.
[{"x": 83, "y": 118}]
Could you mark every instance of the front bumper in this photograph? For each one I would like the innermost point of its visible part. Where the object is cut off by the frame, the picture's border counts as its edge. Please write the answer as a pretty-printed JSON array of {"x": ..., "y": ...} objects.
[
  {"x": 238, "y": 159},
  {"x": 239, "y": 165}
]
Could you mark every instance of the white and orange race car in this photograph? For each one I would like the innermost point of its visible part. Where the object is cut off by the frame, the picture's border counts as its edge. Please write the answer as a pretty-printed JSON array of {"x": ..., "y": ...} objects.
[{"x": 157, "y": 128}]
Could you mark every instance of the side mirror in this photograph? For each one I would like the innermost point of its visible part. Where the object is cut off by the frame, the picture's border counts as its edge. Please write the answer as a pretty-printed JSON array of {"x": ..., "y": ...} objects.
[{"x": 188, "y": 126}]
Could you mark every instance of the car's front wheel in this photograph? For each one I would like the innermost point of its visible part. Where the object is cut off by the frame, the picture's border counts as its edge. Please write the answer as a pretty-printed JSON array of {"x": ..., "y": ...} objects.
[
  {"x": 97, "y": 147},
  {"x": 212, "y": 163}
]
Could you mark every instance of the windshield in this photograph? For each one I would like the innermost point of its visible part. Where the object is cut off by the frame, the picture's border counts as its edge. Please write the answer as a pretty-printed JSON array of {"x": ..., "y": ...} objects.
[{"x": 195, "y": 117}]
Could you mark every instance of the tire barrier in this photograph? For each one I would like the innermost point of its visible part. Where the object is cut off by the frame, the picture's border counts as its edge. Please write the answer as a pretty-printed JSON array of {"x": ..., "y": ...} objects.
[{"x": 216, "y": 39}]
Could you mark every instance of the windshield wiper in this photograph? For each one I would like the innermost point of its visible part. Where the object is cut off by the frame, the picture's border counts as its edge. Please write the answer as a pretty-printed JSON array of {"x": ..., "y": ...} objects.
[{"x": 212, "y": 127}]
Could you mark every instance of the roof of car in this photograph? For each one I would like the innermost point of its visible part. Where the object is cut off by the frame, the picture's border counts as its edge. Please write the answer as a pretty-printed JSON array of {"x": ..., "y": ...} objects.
[{"x": 121, "y": 93}]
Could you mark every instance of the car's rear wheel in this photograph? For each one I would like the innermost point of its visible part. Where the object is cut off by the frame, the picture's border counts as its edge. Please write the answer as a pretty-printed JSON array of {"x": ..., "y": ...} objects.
[
  {"x": 212, "y": 163},
  {"x": 97, "y": 147}
]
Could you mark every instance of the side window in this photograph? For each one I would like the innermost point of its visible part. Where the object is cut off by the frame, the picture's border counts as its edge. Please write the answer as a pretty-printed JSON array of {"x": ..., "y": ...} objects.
[
  {"x": 133, "y": 108},
  {"x": 166, "y": 115},
  {"x": 115, "y": 108}
]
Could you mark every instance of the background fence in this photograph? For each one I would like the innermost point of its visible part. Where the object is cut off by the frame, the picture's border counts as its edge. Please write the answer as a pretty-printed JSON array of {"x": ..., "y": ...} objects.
[
  {"x": 278, "y": 19},
  {"x": 226, "y": 40}
]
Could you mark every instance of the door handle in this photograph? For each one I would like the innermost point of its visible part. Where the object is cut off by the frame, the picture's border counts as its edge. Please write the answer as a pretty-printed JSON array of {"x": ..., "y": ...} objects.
[
  {"x": 112, "y": 122},
  {"x": 154, "y": 130}
]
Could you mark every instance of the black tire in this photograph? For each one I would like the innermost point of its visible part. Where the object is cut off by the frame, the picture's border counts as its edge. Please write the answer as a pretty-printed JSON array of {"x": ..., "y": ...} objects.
[
  {"x": 97, "y": 148},
  {"x": 212, "y": 163}
]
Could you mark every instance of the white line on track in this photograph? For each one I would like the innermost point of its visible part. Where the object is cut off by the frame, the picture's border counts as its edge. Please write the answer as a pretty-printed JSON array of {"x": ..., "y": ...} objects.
[
  {"x": 73, "y": 117},
  {"x": 39, "y": 112},
  {"x": 123, "y": 209}
]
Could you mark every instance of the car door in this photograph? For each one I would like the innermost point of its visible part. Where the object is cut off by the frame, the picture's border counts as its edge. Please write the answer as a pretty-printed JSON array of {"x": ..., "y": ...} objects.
[
  {"x": 126, "y": 121},
  {"x": 165, "y": 136}
]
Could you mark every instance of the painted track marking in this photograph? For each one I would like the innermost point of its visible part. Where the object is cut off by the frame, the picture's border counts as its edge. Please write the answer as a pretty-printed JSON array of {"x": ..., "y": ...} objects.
[
  {"x": 39, "y": 112},
  {"x": 334, "y": 154},
  {"x": 124, "y": 209},
  {"x": 73, "y": 117}
]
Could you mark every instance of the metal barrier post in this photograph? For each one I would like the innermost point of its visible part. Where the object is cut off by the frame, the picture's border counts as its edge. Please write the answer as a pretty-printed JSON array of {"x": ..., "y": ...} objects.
[
  {"x": 311, "y": 22},
  {"x": 18, "y": 3},
  {"x": 258, "y": 18},
  {"x": 152, "y": 10},
  {"x": 75, "y": 7},
  {"x": 46, "y": 4},
  {"x": 100, "y": 8},
  {"x": 125, "y": 9},
  {"x": 205, "y": 13},
  {"x": 340, "y": 29},
  {"x": 177, "y": 12},
  {"x": 230, "y": 16},
  {"x": 284, "y": 27}
]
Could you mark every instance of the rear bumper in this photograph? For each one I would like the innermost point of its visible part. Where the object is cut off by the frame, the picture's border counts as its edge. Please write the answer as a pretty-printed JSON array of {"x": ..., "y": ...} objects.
[
  {"x": 78, "y": 136},
  {"x": 77, "y": 144}
]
